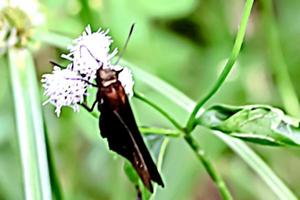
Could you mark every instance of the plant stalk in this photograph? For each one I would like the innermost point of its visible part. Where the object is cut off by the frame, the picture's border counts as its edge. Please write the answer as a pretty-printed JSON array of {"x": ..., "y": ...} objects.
[
  {"x": 229, "y": 65},
  {"x": 29, "y": 126},
  {"x": 217, "y": 179},
  {"x": 200, "y": 153},
  {"x": 156, "y": 107}
]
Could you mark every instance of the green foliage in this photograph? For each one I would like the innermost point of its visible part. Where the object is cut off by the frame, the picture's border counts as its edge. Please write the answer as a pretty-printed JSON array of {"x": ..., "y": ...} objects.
[
  {"x": 182, "y": 43},
  {"x": 255, "y": 123},
  {"x": 29, "y": 124}
]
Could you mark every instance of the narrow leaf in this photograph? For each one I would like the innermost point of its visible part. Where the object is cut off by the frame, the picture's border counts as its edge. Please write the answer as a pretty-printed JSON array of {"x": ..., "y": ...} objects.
[
  {"x": 255, "y": 123},
  {"x": 29, "y": 126}
]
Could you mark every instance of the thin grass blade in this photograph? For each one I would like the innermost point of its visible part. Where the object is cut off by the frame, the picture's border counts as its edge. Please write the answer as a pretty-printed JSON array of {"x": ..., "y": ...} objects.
[{"x": 29, "y": 125}]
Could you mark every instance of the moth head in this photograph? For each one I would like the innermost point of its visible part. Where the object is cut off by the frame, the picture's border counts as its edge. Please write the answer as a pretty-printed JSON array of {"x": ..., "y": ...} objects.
[{"x": 108, "y": 76}]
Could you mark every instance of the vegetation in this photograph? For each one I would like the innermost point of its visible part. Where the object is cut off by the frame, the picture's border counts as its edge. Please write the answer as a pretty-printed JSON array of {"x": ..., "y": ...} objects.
[{"x": 216, "y": 97}]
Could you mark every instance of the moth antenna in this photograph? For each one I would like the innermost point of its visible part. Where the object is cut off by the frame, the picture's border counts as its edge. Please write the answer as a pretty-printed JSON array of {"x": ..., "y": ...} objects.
[
  {"x": 119, "y": 71},
  {"x": 101, "y": 67},
  {"x": 81, "y": 46},
  {"x": 126, "y": 43}
]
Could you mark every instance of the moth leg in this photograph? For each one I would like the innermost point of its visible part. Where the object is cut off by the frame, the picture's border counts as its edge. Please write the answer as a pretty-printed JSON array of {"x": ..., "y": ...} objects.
[
  {"x": 92, "y": 84},
  {"x": 56, "y": 64},
  {"x": 89, "y": 109},
  {"x": 86, "y": 81}
]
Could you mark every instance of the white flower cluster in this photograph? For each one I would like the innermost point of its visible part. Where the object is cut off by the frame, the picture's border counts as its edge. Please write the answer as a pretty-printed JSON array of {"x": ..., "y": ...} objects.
[
  {"x": 68, "y": 87},
  {"x": 29, "y": 7},
  {"x": 64, "y": 87},
  {"x": 17, "y": 19}
]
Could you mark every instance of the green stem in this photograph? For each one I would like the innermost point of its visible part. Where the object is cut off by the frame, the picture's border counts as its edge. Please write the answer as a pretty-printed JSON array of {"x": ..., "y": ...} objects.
[
  {"x": 233, "y": 57},
  {"x": 184, "y": 102},
  {"x": 259, "y": 166},
  {"x": 160, "y": 131},
  {"x": 38, "y": 124},
  {"x": 152, "y": 130},
  {"x": 29, "y": 125},
  {"x": 56, "y": 187},
  {"x": 286, "y": 89},
  {"x": 160, "y": 110},
  {"x": 200, "y": 153},
  {"x": 160, "y": 160}
]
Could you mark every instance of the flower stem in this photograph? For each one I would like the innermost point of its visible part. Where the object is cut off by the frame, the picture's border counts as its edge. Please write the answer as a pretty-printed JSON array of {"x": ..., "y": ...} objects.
[
  {"x": 233, "y": 57},
  {"x": 152, "y": 130},
  {"x": 200, "y": 153},
  {"x": 160, "y": 131},
  {"x": 156, "y": 107}
]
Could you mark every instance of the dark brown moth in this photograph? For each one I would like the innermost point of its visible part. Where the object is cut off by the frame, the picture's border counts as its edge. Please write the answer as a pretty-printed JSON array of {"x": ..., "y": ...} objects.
[{"x": 117, "y": 124}]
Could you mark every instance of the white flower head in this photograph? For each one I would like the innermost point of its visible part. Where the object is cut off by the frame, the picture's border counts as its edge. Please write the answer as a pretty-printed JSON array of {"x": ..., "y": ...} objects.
[
  {"x": 86, "y": 65},
  {"x": 18, "y": 18},
  {"x": 64, "y": 88},
  {"x": 90, "y": 45},
  {"x": 125, "y": 77},
  {"x": 30, "y": 7}
]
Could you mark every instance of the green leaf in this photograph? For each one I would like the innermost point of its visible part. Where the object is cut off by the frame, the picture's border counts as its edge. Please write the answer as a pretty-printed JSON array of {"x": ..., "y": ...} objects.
[
  {"x": 239, "y": 147},
  {"x": 29, "y": 125},
  {"x": 255, "y": 123}
]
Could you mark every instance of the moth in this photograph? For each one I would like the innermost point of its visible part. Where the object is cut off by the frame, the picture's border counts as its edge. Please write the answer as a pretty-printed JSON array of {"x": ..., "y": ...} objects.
[{"x": 117, "y": 124}]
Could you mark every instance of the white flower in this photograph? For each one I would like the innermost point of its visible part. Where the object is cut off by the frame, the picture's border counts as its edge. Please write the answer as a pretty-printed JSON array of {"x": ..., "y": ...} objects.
[
  {"x": 125, "y": 77},
  {"x": 17, "y": 20},
  {"x": 86, "y": 66},
  {"x": 68, "y": 87},
  {"x": 29, "y": 7},
  {"x": 64, "y": 88},
  {"x": 90, "y": 51}
]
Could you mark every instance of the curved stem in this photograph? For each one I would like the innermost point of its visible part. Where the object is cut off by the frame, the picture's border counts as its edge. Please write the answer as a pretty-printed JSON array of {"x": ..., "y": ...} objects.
[
  {"x": 200, "y": 153},
  {"x": 184, "y": 102},
  {"x": 234, "y": 54},
  {"x": 156, "y": 107}
]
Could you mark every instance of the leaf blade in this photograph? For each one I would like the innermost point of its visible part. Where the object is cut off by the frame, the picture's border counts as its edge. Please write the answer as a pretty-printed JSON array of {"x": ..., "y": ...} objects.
[
  {"x": 29, "y": 126},
  {"x": 260, "y": 124}
]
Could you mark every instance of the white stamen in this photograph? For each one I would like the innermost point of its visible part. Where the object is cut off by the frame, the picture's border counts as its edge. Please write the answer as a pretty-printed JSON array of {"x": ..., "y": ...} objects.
[
  {"x": 97, "y": 43},
  {"x": 88, "y": 53},
  {"x": 64, "y": 88}
]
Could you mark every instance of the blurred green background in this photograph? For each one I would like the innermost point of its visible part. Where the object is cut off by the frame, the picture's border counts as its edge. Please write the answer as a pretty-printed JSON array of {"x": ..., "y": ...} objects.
[{"x": 186, "y": 43}]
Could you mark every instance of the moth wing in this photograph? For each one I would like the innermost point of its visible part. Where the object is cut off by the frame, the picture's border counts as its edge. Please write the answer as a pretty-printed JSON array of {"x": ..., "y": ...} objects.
[{"x": 121, "y": 131}]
